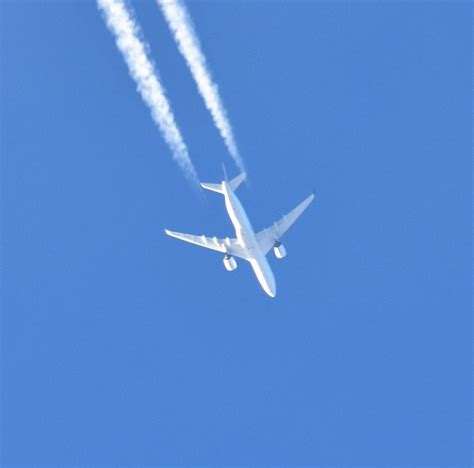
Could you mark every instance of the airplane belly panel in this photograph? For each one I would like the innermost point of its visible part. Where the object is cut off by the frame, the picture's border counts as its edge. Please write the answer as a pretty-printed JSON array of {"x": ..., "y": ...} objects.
[{"x": 264, "y": 275}]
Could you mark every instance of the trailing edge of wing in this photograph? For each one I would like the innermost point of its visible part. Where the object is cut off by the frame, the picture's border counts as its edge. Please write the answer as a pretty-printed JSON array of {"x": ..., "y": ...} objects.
[
  {"x": 267, "y": 237},
  {"x": 227, "y": 245}
]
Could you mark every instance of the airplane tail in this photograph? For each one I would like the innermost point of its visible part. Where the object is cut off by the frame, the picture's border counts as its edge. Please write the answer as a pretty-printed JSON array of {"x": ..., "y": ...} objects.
[
  {"x": 233, "y": 184},
  {"x": 236, "y": 181}
]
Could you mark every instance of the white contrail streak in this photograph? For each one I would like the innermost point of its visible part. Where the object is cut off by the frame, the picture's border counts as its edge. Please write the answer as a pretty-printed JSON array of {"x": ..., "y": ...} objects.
[
  {"x": 188, "y": 43},
  {"x": 128, "y": 37}
]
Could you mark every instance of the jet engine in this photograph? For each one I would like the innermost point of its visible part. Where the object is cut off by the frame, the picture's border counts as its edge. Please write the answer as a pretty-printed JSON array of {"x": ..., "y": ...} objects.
[
  {"x": 279, "y": 250},
  {"x": 230, "y": 263}
]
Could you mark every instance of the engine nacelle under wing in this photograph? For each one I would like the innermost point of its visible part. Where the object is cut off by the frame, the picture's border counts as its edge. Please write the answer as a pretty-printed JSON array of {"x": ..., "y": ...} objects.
[
  {"x": 230, "y": 263},
  {"x": 279, "y": 250}
]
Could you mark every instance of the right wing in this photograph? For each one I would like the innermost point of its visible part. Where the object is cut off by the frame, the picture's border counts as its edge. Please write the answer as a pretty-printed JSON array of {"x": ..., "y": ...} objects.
[
  {"x": 229, "y": 246},
  {"x": 268, "y": 237}
]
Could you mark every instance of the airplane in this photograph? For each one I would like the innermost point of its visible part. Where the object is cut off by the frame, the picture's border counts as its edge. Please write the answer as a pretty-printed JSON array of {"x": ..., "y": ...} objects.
[{"x": 247, "y": 244}]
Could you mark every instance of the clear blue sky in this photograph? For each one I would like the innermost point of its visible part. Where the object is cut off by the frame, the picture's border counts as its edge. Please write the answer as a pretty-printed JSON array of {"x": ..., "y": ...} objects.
[{"x": 121, "y": 346}]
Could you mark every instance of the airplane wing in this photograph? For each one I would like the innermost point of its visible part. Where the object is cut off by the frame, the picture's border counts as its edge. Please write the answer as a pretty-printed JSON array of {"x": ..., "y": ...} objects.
[
  {"x": 267, "y": 237},
  {"x": 229, "y": 246}
]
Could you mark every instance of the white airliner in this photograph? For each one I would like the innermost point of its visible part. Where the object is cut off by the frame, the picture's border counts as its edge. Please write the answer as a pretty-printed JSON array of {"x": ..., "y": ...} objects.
[{"x": 248, "y": 245}]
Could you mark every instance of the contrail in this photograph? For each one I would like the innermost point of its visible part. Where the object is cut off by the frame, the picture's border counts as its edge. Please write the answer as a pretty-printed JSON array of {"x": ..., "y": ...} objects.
[
  {"x": 188, "y": 43},
  {"x": 127, "y": 34}
]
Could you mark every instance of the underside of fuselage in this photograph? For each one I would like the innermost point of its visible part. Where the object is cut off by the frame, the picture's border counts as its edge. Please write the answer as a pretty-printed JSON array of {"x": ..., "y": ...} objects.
[
  {"x": 265, "y": 277},
  {"x": 246, "y": 236}
]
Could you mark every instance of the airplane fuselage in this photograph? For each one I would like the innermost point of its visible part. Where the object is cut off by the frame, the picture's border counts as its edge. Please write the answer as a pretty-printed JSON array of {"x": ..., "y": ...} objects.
[
  {"x": 247, "y": 244},
  {"x": 245, "y": 235}
]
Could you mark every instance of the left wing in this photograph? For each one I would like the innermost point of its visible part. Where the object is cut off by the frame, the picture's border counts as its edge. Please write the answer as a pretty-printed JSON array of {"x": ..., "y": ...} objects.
[
  {"x": 229, "y": 246},
  {"x": 268, "y": 237}
]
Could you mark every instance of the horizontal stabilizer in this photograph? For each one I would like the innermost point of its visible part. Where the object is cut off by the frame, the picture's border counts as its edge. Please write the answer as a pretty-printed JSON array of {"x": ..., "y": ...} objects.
[
  {"x": 236, "y": 181},
  {"x": 233, "y": 184},
  {"x": 213, "y": 187}
]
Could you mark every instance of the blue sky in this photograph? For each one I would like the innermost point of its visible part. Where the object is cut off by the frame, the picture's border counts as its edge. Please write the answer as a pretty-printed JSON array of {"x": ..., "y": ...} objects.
[{"x": 121, "y": 346}]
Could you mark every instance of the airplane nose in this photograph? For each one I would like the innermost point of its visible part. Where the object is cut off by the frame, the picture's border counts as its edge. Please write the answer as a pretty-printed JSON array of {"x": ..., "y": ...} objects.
[{"x": 271, "y": 289}]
